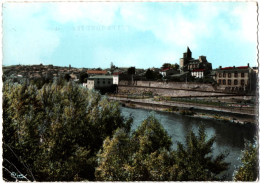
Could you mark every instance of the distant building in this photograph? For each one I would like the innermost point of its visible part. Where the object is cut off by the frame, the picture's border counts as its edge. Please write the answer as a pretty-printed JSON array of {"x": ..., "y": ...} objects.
[
  {"x": 74, "y": 77},
  {"x": 187, "y": 63},
  {"x": 255, "y": 69},
  {"x": 99, "y": 81},
  {"x": 96, "y": 72},
  {"x": 241, "y": 78},
  {"x": 115, "y": 78},
  {"x": 198, "y": 73},
  {"x": 167, "y": 72},
  {"x": 85, "y": 84}
]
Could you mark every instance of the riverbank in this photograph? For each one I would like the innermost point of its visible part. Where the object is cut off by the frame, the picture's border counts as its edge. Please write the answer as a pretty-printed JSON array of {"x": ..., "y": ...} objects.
[{"x": 237, "y": 117}]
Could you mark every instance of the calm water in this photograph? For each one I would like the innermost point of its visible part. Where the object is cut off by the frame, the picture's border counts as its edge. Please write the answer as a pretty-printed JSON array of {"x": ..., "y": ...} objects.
[{"x": 229, "y": 137}]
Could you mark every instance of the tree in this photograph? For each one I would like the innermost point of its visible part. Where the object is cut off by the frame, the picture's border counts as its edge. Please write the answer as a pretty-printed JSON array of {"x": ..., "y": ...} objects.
[
  {"x": 248, "y": 171},
  {"x": 175, "y": 66},
  {"x": 82, "y": 77},
  {"x": 195, "y": 161},
  {"x": 54, "y": 133},
  {"x": 171, "y": 66},
  {"x": 67, "y": 76},
  {"x": 150, "y": 75},
  {"x": 131, "y": 71},
  {"x": 166, "y": 65},
  {"x": 142, "y": 156}
]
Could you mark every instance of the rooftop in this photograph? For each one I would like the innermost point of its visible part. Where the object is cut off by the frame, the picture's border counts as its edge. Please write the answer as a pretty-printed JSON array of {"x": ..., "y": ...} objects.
[
  {"x": 96, "y": 72},
  {"x": 229, "y": 68},
  {"x": 101, "y": 77}
]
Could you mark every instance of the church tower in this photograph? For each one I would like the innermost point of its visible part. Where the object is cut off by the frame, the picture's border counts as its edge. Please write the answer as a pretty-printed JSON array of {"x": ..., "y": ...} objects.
[{"x": 185, "y": 60}]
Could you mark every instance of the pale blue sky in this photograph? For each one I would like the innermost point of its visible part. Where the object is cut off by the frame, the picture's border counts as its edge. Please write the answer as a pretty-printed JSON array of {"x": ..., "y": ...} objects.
[{"x": 144, "y": 35}]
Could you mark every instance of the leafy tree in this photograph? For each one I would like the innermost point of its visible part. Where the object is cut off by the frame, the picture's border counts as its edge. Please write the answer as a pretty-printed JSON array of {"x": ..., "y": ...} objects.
[
  {"x": 67, "y": 76},
  {"x": 175, "y": 66},
  {"x": 54, "y": 133},
  {"x": 195, "y": 161},
  {"x": 171, "y": 66},
  {"x": 150, "y": 75},
  {"x": 143, "y": 155},
  {"x": 82, "y": 77},
  {"x": 166, "y": 65},
  {"x": 131, "y": 71},
  {"x": 248, "y": 171}
]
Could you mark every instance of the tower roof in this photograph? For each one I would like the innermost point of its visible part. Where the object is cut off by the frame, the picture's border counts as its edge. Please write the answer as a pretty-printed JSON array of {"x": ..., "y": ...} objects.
[{"x": 188, "y": 50}]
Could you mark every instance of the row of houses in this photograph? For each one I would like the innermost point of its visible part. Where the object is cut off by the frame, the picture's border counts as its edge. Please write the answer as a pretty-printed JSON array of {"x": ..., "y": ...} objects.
[{"x": 241, "y": 78}]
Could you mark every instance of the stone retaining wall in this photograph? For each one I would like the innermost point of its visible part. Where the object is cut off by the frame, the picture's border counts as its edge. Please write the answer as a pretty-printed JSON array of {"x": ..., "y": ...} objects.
[
  {"x": 176, "y": 85},
  {"x": 163, "y": 92}
]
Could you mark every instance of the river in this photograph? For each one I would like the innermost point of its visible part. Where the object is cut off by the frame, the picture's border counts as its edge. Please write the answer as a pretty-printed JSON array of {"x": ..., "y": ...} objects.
[{"x": 229, "y": 137}]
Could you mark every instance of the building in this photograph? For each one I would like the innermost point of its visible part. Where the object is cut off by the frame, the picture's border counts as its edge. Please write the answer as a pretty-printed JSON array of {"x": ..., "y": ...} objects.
[
  {"x": 255, "y": 69},
  {"x": 167, "y": 72},
  {"x": 187, "y": 63},
  {"x": 115, "y": 78},
  {"x": 235, "y": 79},
  {"x": 96, "y": 72},
  {"x": 198, "y": 73},
  {"x": 99, "y": 82}
]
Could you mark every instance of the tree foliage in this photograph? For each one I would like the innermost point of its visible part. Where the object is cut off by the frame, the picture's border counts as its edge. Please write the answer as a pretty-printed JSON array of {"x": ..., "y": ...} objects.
[
  {"x": 145, "y": 155},
  {"x": 150, "y": 75},
  {"x": 131, "y": 70},
  {"x": 64, "y": 132},
  {"x": 195, "y": 160},
  {"x": 83, "y": 77},
  {"x": 136, "y": 157},
  {"x": 170, "y": 66},
  {"x": 248, "y": 171},
  {"x": 166, "y": 65},
  {"x": 56, "y": 131}
]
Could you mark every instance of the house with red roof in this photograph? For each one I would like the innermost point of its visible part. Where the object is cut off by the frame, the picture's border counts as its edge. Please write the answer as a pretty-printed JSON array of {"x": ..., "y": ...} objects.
[{"x": 241, "y": 78}]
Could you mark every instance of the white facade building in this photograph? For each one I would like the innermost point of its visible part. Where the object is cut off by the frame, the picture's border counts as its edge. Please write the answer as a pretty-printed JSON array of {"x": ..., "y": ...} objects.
[
  {"x": 115, "y": 79},
  {"x": 198, "y": 73},
  {"x": 99, "y": 81}
]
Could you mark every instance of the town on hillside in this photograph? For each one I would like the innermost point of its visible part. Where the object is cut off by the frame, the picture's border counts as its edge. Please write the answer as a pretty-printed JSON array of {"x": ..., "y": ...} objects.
[{"x": 189, "y": 71}]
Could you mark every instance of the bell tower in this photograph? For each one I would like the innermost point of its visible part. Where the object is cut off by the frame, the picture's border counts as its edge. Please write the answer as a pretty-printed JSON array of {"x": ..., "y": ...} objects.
[{"x": 185, "y": 60}]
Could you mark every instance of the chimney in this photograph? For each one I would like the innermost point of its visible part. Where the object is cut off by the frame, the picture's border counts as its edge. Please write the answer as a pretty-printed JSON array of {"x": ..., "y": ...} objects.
[
  {"x": 220, "y": 67},
  {"x": 247, "y": 64}
]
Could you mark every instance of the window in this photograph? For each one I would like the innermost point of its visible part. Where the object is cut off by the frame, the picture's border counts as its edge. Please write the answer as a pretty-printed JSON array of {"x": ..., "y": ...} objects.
[
  {"x": 235, "y": 82},
  {"x": 229, "y": 82},
  {"x": 242, "y": 75},
  {"x": 242, "y": 81},
  {"x": 219, "y": 81},
  {"x": 219, "y": 75},
  {"x": 108, "y": 82},
  {"x": 235, "y": 74},
  {"x": 224, "y": 82},
  {"x": 224, "y": 74},
  {"x": 229, "y": 75}
]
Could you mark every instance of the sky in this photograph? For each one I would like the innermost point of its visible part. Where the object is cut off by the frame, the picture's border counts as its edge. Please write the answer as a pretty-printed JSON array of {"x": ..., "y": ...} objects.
[{"x": 140, "y": 34}]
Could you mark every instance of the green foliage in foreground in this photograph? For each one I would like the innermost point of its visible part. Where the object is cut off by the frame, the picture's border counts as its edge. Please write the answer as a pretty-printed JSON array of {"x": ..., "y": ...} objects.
[
  {"x": 248, "y": 171},
  {"x": 64, "y": 132},
  {"x": 53, "y": 134},
  {"x": 195, "y": 160},
  {"x": 146, "y": 155}
]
